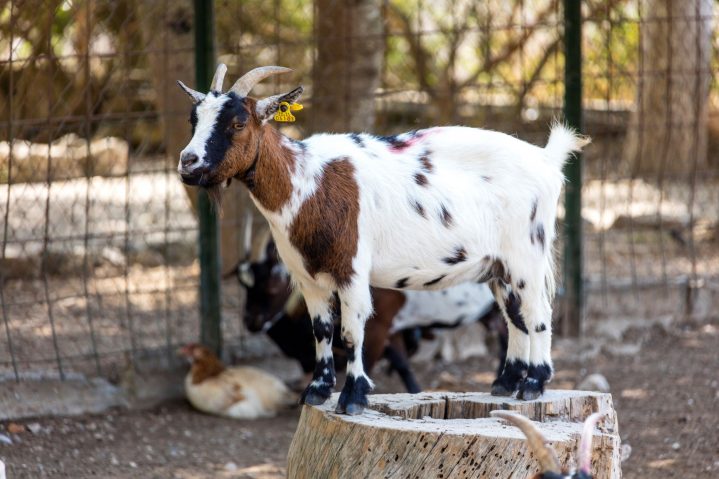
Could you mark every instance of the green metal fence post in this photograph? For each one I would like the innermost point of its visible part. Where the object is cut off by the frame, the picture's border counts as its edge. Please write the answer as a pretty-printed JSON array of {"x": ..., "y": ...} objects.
[
  {"x": 573, "y": 280},
  {"x": 210, "y": 321}
]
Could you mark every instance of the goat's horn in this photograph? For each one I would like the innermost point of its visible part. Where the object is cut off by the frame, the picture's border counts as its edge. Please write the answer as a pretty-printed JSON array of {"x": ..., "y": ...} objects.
[
  {"x": 219, "y": 78},
  {"x": 585, "y": 444},
  {"x": 194, "y": 94},
  {"x": 243, "y": 86},
  {"x": 545, "y": 454},
  {"x": 247, "y": 238}
]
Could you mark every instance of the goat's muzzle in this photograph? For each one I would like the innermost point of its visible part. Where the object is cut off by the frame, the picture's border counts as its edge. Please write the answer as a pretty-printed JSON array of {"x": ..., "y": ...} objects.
[{"x": 191, "y": 179}]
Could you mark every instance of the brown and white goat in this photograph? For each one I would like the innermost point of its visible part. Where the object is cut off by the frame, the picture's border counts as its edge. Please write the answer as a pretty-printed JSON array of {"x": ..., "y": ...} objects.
[
  {"x": 547, "y": 457},
  {"x": 422, "y": 210}
]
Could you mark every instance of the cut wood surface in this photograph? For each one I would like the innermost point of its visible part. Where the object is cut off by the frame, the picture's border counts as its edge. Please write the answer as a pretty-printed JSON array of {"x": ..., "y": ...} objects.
[{"x": 448, "y": 435}]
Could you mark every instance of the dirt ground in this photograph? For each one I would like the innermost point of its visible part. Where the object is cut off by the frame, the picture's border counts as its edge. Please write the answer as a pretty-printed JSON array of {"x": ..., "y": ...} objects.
[{"x": 667, "y": 398}]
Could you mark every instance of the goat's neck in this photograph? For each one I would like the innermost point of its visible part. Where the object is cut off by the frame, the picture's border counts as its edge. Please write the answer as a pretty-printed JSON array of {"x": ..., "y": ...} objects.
[{"x": 269, "y": 177}]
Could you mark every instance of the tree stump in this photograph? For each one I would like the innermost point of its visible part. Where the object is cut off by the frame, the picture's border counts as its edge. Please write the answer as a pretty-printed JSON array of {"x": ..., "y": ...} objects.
[{"x": 449, "y": 435}]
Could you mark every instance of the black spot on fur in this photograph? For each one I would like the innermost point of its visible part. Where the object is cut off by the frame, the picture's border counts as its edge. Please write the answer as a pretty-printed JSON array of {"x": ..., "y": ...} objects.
[
  {"x": 323, "y": 380},
  {"x": 419, "y": 208},
  {"x": 350, "y": 350},
  {"x": 394, "y": 141},
  {"x": 533, "y": 214},
  {"x": 193, "y": 117},
  {"x": 357, "y": 139},
  {"x": 512, "y": 306},
  {"x": 424, "y": 160},
  {"x": 420, "y": 179},
  {"x": 220, "y": 139},
  {"x": 300, "y": 144},
  {"x": 401, "y": 283},
  {"x": 460, "y": 254},
  {"x": 540, "y": 328},
  {"x": 446, "y": 217},
  {"x": 521, "y": 284},
  {"x": 324, "y": 370},
  {"x": 493, "y": 268},
  {"x": 537, "y": 235},
  {"x": 487, "y": 179},
  {"x": 541, "y": 372},
  {"x": 540, "y": 235},
  {"x": 322, "y": 329},
  {"x": 435, "y": 280}
]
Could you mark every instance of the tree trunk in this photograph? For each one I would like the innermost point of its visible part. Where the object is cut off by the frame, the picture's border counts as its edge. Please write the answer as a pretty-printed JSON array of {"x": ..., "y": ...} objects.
[
  {"x": 350, "y": 49},
  {"x": 405, "y": 435},
  {"x": 668, "y": 129},
  {"x": 171, "y": 57}
]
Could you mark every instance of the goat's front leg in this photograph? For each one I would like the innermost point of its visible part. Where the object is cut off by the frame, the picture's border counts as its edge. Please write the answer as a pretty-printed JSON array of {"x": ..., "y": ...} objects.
[
  {"x": 319, "y": 306},
  {"x": 356, "y": 305}
]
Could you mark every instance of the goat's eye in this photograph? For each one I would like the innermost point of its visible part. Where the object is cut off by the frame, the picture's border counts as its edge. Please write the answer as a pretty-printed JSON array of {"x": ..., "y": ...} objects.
[{"x": 237, "y": 126}]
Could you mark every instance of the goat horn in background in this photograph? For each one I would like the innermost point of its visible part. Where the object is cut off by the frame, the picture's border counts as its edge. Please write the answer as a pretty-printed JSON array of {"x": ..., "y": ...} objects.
[
  {"x": 243, "y": 86},
  {"x": 545, "y": 454},
  {"x": 585, "y": 444},
  {"x": 219, "y": 78}
]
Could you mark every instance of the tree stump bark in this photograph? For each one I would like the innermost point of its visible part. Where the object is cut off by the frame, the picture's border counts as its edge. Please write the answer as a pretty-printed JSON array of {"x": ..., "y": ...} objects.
[{"x": 449, "y": 435}]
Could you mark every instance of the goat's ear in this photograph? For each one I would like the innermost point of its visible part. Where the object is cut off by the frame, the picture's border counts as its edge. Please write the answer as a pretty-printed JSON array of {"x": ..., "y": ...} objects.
[
  {"x": 267, "y": 107},
  {"x": 196, "y": 96}
]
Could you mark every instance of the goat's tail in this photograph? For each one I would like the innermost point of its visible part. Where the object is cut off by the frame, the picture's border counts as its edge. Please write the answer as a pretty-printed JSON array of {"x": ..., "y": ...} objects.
[{"x": 563, "y": 140}]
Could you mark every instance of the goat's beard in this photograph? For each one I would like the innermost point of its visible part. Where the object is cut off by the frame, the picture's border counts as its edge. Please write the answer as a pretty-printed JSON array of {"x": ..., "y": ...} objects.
[{"x": 214, "y": 193}]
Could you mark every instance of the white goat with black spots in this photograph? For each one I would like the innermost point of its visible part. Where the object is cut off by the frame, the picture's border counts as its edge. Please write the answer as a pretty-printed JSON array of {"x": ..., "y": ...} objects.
[{"x": 421, "y": 210}]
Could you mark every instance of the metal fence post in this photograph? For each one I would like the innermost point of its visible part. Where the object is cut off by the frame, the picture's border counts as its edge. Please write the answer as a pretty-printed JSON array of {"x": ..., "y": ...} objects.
[
  {"x": 210, "y": 321},
  {"x": 573, "y": 278}
]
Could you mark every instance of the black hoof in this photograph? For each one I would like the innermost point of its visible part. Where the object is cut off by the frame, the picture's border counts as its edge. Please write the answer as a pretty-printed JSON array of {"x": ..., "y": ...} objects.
[
  {"x": 353, "y": 398},
  {"x": 508, "y": 382},
  {"x": 530, "y": 389},
  {"x": 354, "y": 410},
  {"x": 314, "y": 394},
  {"x": 501, "y": 390}
]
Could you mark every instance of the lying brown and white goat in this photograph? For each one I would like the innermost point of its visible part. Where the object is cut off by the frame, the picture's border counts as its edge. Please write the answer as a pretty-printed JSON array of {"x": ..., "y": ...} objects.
[
  {"x": 547, "y": 457},
  {"x": 422, "y": 210}
]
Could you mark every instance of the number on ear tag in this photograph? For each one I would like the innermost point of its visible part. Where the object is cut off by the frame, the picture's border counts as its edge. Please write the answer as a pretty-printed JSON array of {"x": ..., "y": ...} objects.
[{"x": 284, "y": 112}]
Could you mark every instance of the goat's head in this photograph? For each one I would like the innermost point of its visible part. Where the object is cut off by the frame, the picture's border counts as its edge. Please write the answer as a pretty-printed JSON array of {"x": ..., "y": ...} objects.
[
  {"x": 551, "y": 469},
  {"x": 227, "y": 128}
]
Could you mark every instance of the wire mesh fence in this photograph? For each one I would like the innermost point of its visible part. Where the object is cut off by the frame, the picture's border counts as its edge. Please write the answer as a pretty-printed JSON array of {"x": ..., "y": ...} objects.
[{"x": 98, "y": 255}]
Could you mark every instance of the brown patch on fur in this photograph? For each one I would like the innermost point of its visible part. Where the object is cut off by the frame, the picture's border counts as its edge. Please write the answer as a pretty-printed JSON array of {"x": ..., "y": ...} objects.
[
  {"x": 325, "y": 230},
  {"x": 426, "y": 164},
  {"x": 205, "y": 364},
  {"x": 276, "y": 163},
  {"x": 387, "y": 304},
  {"x": 236, "y": 395},
  {"x": 258, "y": 159}
]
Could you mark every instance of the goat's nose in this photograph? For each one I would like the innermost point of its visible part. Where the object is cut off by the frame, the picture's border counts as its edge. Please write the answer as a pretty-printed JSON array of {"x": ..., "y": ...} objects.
[{"x": 188, "y": 159}]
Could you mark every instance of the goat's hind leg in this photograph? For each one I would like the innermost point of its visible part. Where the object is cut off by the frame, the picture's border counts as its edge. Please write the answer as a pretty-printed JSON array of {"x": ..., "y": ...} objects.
[
  {"x": 529, "y": 364},
  {"x": 516, "y": 363},
  {"x": 319, "y": 306},
  {"x": 540, "y": 356},
  {"x": 356, "y": 304}
]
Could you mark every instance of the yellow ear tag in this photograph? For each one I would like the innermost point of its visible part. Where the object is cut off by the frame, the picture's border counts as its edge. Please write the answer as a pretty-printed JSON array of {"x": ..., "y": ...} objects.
[{"x": 284, "y": 112}]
